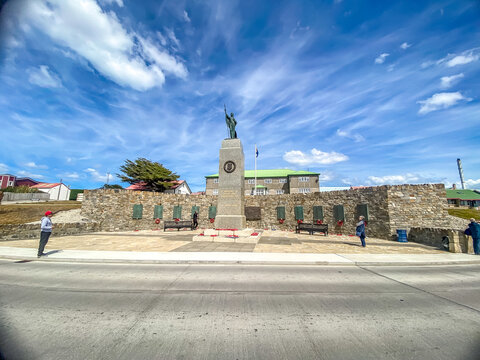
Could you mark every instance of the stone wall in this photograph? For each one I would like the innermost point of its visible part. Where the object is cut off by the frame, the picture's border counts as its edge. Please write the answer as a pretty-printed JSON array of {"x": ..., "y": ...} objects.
[
  {"x": 390, "y": 208},
  {"x": 458, "y": 241},
  {"x": 418, "y": 206},
  {"x": 29, "y": 231}
]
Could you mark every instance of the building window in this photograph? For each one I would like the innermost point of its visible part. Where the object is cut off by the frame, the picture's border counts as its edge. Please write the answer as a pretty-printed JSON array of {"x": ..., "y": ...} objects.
[
  {"x": 282, "y": 181},
  {"x": 304, "y": 179},
  {"x": 10, "y": 183},
  {"x": 215, "y": 181},
  {"x": 251, "y": 181},
  {"x": 268, "y": 181},
  {"x": 215, "y": 191},
  {"x": 280, "y": 192},
  {"x": 304, "y": 190},
  {"x": 261, "y": 191}
]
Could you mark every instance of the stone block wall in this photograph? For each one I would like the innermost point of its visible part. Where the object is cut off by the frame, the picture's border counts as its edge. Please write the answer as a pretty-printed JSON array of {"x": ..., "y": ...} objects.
[
  {"x": 113, "y": 208},
  {"x": 458, "y": 241},
  {"x": 417, "y": 206},
  {"x": 375, "y": 197},
  {"x": 390, "y": 208},
  {"x": 29, "y": 231}
]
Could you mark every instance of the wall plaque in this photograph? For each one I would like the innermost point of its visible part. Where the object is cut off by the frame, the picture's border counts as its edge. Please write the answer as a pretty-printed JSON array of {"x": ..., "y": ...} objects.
[{"x": 253, "y": 213}]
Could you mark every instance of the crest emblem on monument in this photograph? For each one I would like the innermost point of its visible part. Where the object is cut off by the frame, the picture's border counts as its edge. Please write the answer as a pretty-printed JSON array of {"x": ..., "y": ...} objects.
[{"x": 229, "y": 166}]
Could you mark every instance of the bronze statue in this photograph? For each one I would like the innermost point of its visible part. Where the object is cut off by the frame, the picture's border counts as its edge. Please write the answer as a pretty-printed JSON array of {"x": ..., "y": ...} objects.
[{"x": 231, "y": 123}]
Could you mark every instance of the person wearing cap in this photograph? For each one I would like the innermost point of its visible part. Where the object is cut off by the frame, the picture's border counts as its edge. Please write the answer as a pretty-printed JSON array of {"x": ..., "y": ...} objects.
[
  {"x": 474, "y": 231},
  {"x": 46, "y": 231}
]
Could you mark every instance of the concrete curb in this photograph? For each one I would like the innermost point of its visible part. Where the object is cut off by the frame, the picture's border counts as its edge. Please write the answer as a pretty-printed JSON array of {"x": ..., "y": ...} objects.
[{"x": 244, "y": 258}]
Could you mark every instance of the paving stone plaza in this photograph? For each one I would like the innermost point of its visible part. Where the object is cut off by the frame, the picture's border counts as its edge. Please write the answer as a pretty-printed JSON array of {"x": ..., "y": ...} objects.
[{"x": 271, "y": 241}]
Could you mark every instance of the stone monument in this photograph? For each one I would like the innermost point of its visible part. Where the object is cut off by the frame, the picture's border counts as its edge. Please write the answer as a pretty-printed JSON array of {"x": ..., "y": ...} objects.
[{"x": 231, "y": 181}]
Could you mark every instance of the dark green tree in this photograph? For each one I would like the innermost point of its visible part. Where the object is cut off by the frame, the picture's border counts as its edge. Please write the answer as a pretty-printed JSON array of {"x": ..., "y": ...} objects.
[
  {"x": 155, "y": 176},
  {"x": 112, "y": 186}
]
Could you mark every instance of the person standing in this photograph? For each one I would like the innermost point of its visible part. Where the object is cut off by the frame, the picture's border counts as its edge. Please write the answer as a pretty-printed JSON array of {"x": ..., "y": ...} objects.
[
  {"x": 360, "y": 230},
  {"x": 46, "y": 231},
  {"x": 474, "y": 231},
  {"x": 195, "y": 220}
]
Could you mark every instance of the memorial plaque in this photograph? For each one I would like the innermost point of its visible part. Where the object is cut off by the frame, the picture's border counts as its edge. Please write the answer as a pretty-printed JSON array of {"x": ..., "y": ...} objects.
[{"x": 253, "y": 213}]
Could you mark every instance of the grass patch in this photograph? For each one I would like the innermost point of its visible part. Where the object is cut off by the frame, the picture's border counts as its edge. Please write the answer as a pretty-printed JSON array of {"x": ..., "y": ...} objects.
[
  {"x": 465, "y": 213},
  {"x": 25, "y": 213}
]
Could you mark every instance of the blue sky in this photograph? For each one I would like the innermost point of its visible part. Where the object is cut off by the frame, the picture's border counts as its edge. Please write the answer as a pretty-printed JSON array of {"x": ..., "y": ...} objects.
[{"x": 363, "y": 92}]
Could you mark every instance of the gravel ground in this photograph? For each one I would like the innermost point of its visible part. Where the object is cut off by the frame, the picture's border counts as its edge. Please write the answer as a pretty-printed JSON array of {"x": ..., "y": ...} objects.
[{"x": 69, "y": 216}]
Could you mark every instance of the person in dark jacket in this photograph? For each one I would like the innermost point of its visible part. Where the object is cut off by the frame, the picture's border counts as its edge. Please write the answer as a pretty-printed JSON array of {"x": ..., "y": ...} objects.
[
  {"x": 46, "y": 231},
  {"x": 195, "y": 220},
  {"x": 360, "y": 230},
  {"x": 474, "y": 231}
]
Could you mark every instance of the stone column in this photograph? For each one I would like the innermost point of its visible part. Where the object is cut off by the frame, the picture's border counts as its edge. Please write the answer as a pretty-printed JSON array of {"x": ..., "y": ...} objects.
[{"x": 231, "y": 186}]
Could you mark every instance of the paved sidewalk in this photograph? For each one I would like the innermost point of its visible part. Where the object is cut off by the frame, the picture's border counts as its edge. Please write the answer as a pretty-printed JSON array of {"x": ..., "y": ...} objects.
[
  {"x": 274, "y": 247},
  {"x": 91, "y": 256}
]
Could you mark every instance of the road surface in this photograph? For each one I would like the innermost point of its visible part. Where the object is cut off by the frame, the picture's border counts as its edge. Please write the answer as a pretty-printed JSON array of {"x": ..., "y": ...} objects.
[{"x": 105, "y": 311}]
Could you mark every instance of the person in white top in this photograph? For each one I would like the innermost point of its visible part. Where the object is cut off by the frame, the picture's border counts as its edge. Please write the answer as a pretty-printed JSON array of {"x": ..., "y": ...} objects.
[{"x": 46, "y": 231}]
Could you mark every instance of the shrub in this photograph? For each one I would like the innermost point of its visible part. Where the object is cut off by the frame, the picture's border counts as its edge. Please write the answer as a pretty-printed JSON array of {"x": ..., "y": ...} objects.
[
  {"x": 74, "y": 193},
  {"x": 20, "y": 189}
]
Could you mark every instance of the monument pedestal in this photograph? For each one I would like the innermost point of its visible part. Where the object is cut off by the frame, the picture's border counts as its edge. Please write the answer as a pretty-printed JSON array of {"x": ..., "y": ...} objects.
[{"x": 231, "y": 186}]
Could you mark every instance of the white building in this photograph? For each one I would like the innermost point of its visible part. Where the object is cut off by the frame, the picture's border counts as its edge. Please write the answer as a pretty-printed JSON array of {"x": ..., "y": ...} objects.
[
  {"x": 57, "y": 191},
  {"x": 180, "y": 187}
]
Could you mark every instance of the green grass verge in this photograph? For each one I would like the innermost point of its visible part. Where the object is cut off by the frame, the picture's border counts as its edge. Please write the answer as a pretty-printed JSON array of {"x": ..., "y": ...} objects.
[{"x": 465, "y": 213}]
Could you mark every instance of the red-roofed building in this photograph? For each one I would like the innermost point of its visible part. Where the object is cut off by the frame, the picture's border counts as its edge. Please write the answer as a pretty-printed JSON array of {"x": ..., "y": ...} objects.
[
  {"x": 179, "y": 187},
  {"x": 26, "y": 181},
  {"x": 7, "y": 180},
  {"x": 57, "y": 191}
]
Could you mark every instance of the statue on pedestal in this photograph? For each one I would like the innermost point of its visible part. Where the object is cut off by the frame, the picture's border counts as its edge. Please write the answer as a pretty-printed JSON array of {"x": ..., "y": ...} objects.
[{"x": 231, "y": 123}]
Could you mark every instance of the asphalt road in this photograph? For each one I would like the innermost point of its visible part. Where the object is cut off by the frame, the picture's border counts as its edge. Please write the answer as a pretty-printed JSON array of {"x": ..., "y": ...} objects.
[{"x": 97, "y": 311}]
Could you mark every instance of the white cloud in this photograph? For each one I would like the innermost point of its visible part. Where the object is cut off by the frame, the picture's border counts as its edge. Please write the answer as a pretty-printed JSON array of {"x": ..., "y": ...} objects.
[
  {"x": 29, "y": 174},
  {"x": 100, "y": 38},
  {"x": 393, "y": 179},
  {"x": 441, "y": 101},
  {"x": 405, "y": 46},
  {"x": 185, "y": 16},
  {"x": 3, "y": 168},
  {"x": 43, "y": 77},
  {"x": 118, "y": 2},
  {"x": 348, "y": 135},
  {"x": 381, "y": 59},
  {"x": 462, "y": 59},
  {"x": 97, "y": 176},
  {"x": 472, "y": 184},
  {"x": 326, "y": 176},
  {"x": 316, "y": 157},
  {"x": 31, "y": 164},
  {"x": 167, "y": 62},
  {"x": 448, "y": 81},
  {"x": 73, "y": 175},
  {"x": 172, "y": 37}
]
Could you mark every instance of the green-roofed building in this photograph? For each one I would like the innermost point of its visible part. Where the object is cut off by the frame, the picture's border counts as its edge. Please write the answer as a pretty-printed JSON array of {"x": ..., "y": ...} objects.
[
  {"x": 272, "y": 182},
  {"x": 470, "y": 198}
]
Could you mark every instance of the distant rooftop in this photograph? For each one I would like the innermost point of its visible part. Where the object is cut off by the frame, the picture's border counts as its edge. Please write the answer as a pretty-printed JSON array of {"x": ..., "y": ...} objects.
[
  {"x": 463, "y": 194},
  {"x": 272, "y": 173}
]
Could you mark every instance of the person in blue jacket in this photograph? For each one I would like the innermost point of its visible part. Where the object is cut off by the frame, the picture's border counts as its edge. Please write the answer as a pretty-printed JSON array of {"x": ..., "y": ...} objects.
[
  {"x": 46, "y": 231},
  {"x": 474, "y": 231},
  {"x": 360, "y": 230}
]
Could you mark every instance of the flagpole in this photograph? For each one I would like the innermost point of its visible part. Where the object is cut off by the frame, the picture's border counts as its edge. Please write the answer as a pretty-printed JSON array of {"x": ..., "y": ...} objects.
[{"x": 255, "y": 188}]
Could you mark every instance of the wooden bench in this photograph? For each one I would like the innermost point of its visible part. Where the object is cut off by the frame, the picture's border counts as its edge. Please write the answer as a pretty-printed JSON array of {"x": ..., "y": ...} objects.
[
  {"x": 177, "y": 225},
  {"x": 311, "y": 228}
]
